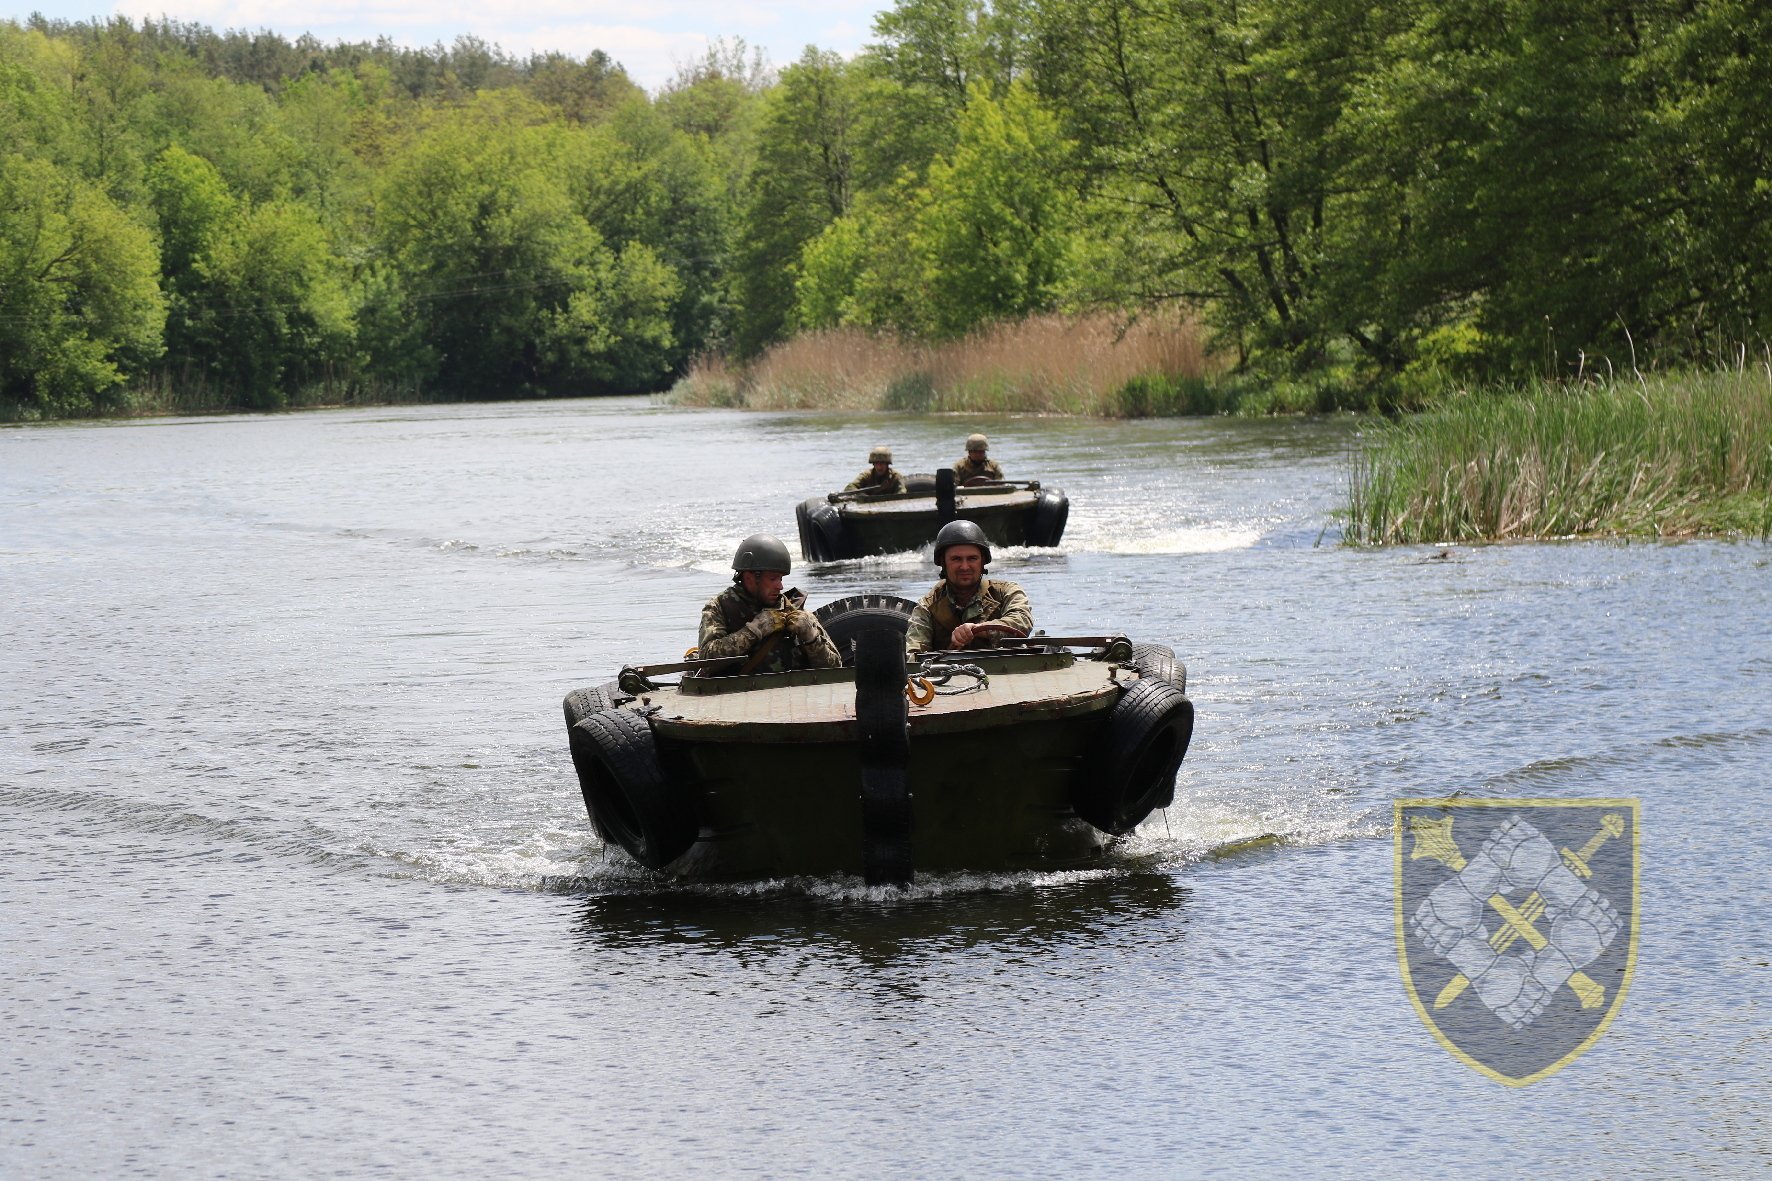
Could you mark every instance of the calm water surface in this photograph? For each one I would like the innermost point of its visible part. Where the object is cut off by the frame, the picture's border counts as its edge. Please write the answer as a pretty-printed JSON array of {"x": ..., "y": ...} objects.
[{"x": 297, "y": 879}]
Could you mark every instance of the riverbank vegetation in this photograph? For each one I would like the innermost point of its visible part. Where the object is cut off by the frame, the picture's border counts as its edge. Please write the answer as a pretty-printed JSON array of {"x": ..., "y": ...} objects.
[
  {"x": 1051, "y": 364},
  {"x": 1630, "y": 456},
  {"x": 1356, "y": 205}
]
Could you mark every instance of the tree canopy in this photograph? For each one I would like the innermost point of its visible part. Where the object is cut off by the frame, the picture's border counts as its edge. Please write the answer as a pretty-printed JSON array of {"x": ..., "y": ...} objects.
[{"x": 1400, "y": 192}]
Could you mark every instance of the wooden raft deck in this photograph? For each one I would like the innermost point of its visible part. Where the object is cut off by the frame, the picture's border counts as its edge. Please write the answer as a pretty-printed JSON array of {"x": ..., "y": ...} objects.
[
  {"x": 826, "y": 712},
  {"x": 964, "y": 503}
]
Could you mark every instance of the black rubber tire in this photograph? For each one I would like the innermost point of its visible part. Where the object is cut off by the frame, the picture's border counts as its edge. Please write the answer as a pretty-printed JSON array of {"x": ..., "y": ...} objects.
[
  {"x": 845, "y": 619},
  {"x": 579, "y": 705},
  {"x": 821, "y": 531},
  {"x": 884, "y": 747},
  {"x": 920, "y": 484},
  {"x": 1131, "y": 771},
  {"x": 582, "y": 703},
  {"x": 1158, "y": 660},
  {"x": 944, "y": 495},
  {"x": 1051, "y": 512},
  {"x": 626, "y": 790}
]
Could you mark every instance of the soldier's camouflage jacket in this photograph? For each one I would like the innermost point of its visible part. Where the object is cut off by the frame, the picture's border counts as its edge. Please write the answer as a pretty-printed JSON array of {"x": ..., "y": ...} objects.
[
  {"x": 967, "y": 470},
  {"x": 934, "y": 619},
  {"x": 890, "y": 482},
  {"x": 722, "y": 634}
]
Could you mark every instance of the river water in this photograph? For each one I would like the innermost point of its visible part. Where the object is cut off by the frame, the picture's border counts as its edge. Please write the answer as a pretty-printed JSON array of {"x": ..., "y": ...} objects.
[{"x": 297, "y": 879}]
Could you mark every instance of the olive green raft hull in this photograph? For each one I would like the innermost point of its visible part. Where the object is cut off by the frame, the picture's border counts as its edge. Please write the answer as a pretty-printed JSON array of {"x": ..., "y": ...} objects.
[
  {"x": 1010, "y": 515},
  {"x": 762, "y": 775},
  {"x": 771, "y": 809}
]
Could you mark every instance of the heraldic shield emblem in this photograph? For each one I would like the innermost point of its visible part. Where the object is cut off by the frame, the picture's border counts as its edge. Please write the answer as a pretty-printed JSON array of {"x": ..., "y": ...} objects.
[{"x": 1516, "y": 925}]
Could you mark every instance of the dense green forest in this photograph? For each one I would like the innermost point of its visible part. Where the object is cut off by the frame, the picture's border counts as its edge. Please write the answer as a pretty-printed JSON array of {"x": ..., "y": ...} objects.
[{"x": 1406, "y": 194}]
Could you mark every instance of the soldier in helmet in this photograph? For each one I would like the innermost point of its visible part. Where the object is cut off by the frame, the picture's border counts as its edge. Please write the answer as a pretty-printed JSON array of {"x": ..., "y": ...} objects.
[
  {"x": 753, "y": 618},
  {"x": 965, "y": 609},
  {"x": 975, "y": 468},
  {"x": 880, "y": 477}
]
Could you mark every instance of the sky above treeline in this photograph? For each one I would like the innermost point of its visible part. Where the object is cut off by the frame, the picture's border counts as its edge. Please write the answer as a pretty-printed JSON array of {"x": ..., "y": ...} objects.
[{"x": 651, "y": 38}]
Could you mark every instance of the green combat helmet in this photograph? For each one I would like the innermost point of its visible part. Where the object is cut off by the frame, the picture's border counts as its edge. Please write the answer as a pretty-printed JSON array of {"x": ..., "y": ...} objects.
[
  {"x": 962, "y": 533},
  {"x": 880, "y": 454},
  {"x": 760, "y": 551},
  {"x": 977, "y": 443}
]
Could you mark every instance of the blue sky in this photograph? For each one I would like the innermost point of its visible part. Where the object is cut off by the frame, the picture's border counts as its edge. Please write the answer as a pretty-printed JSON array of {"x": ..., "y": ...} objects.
[{"x": 650, "y": 37}]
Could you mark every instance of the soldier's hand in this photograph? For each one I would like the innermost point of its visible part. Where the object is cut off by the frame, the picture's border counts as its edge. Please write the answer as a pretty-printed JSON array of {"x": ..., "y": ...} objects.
[
  {"x": 767, "y": 622},
  {"x": 804, "y": 627}
]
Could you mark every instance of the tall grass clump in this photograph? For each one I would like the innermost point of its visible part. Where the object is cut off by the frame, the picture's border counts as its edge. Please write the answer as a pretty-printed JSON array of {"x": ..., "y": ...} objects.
[
  {"x": 1044, "y": 364},
  {"x": 1663, "y": 455}
]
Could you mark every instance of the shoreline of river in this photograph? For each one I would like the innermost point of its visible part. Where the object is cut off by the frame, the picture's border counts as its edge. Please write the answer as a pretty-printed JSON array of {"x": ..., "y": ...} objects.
[{"x": 1667, "y": 456}]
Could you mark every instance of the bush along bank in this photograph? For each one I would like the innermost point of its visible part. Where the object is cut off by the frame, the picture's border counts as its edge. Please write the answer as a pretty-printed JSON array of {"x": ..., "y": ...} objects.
[{"x": 1663, "y": 455}]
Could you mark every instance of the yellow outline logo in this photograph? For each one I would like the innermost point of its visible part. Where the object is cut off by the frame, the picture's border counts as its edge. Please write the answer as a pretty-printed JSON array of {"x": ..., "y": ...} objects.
[{"x": 1517, "y": 921}]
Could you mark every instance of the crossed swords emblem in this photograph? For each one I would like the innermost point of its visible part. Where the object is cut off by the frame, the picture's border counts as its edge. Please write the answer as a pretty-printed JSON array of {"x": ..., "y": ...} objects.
[{"x": 1434, "y": 841}]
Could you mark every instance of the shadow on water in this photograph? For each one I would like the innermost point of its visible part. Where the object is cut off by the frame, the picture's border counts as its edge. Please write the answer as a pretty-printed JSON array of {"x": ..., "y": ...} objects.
[{"x": 1026, "y": 917}]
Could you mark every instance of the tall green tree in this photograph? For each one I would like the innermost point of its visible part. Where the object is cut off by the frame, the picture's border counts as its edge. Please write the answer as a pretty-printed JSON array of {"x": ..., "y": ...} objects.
[
  {"x": 801, "y": 180},
  {"x": 504, "y": 274},
  {"x": 1208, "y": 148},
  {"x": 582, "y": 91},
  {"x": 192, "y": 206},
  {"x": 986, "y": 237},
  {"x": 637, "y": 179},
  {"x": 79, "y": 303},
  {"x": 994, "y": 227},
  {"x": 1712, "y": 110},
  {"x": 952, "y": 47},
  {"x": 278, "y": 313},
  {"x": 37, "y": 115}
]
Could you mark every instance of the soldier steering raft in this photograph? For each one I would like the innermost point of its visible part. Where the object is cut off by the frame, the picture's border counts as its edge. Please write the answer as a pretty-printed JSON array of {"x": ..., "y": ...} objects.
[
  {"x": 975, "y": 468},
  {"x": 965, "y": 609}
]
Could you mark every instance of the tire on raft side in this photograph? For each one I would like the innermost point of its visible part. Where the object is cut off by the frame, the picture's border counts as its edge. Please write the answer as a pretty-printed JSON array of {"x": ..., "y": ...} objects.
[
  {"x": 1051, "y": 512},
  {"x": 582, "y": 703},
  {"x": 845, "y": 619},
  {"x": 1131, "y": 771},
  {"x": 822, "y": 535},
  {"x": 920, "y": 484},
  {"x": 1158, "y": 660},
  {"x": 626, "y": 790}
]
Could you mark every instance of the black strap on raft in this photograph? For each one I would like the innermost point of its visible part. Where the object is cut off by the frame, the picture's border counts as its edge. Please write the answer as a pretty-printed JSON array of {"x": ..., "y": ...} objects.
[
  {"x": 944, "y": 494},
  {"x": 882, "y": 719}
]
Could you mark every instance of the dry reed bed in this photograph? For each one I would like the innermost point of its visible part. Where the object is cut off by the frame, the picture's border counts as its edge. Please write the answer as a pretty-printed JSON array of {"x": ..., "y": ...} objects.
[
  {"x": 1667, "y": 456},
  {"x": 1045, "y": 364}
]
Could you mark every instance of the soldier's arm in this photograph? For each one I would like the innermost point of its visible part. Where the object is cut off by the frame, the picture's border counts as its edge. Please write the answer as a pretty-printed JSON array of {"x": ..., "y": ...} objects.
[
  {"x": 715, "y": 641},
  {"x": 855, "y": 484},
  {"x": 820, "y": 652},
  {"x": 916, "y": 636},
  {"x": 1017, "y": 612}
]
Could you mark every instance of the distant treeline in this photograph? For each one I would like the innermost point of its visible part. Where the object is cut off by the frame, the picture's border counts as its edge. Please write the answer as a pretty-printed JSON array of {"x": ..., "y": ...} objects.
[{"x": 1401, "y": 194}]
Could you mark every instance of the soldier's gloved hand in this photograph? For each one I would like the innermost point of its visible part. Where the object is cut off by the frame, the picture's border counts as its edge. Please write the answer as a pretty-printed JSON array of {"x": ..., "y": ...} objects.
[
  {"x": 767, "y": 622},
  {"x": 803, "y": 627}
]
